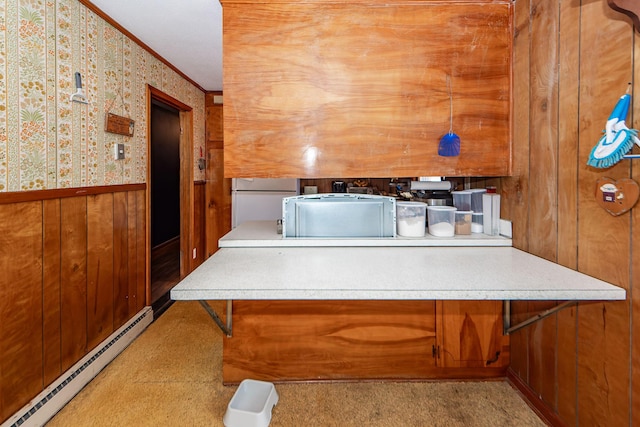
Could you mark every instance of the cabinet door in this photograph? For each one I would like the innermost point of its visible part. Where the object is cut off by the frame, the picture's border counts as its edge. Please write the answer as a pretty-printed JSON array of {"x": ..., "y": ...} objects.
[
  {"x": 214, "y": 122},
  {"x": 470, "y": 335},
  {"x": 317, "y": 89},
  {"x": 330, "y": 340}
]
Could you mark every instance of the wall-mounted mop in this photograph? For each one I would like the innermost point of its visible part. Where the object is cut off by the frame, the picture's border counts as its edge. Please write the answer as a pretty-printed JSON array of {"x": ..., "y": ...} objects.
[
  {"x": 617, "y": 138},
  {"x": 79, "y": 96}
]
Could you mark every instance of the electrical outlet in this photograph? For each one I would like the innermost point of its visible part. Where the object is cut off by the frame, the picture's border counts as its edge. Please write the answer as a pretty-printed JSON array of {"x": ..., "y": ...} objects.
[{"x": 118, "y": 151}]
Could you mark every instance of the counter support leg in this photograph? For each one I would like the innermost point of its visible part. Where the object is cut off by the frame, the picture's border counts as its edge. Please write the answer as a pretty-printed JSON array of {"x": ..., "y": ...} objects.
[
  {"x": 227, "y": 329},
  {"x": 537, "y": 317}
]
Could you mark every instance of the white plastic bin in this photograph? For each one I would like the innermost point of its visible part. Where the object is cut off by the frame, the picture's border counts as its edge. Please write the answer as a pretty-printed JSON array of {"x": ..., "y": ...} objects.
[
  {"x": 441, "y": 220},
  {"x": 251, "y": 405},
  {"x": 411, "y": 219}
]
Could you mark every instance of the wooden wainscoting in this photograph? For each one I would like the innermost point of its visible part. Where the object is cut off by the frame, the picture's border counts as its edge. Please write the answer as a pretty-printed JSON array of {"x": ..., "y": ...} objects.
[{"x": 73, "y": 271}]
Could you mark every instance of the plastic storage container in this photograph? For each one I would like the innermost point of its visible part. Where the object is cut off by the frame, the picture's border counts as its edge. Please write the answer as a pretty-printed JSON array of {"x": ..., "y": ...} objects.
[
  {"x": 411, "y": 219},
  {"x": 251, "y": 405},
  {"x": 477, "y": 222},
  {"x": 441, "y": 220},
  {"x": 476, "y": 198},
  {"x": 462, "y": 200},
  {"x": 491, "y": 211},
  {"x": 463, "y": 222}
]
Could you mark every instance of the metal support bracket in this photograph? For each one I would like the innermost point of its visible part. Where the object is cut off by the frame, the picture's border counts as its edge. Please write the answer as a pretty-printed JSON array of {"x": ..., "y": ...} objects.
[
  {"x": 507, "y": 316},
  {"x": 227, "y": 329}
]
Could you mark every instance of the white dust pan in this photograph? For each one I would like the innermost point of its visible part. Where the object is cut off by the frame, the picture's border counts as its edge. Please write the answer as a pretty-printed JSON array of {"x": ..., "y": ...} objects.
[{"x": 251, "y": 405}]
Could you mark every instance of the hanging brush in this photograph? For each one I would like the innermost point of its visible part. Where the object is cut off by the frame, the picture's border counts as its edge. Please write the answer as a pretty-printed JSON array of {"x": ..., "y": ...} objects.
[{"x": 450, "y": 143}]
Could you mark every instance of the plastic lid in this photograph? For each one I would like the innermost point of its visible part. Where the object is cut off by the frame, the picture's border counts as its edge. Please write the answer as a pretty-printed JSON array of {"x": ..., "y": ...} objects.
[
  {"x": 441, "y": 208},
  {"x": 415, "y": 204}
]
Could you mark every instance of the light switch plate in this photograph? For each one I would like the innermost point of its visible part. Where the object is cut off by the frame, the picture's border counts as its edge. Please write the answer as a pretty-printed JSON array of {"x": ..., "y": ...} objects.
[{"x": 118, "y": 151}]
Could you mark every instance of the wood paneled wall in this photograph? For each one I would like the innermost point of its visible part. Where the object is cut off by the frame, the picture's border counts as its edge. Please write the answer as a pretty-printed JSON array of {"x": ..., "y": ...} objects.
[
  {"x": 73, "y": 271},
  {"x": 572, "y": 62}
]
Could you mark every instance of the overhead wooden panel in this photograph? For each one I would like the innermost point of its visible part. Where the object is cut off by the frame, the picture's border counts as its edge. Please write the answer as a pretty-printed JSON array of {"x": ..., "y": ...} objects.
[{"x": 320, "y": 90}]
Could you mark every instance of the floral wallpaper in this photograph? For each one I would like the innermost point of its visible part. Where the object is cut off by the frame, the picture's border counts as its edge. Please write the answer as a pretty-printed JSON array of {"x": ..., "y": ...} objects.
[{"x": 47, "y": 141}]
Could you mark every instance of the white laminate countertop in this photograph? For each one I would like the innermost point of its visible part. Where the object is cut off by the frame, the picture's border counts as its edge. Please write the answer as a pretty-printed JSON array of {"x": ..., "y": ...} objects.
[
  {"x": 387, "y": 273},
  {"x": 262, "y": 234}
]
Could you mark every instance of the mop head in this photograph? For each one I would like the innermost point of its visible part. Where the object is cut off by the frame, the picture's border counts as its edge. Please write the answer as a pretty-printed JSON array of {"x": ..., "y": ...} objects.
[
  {"x": 605, "y": 155},
  {"x": 617, "y": 139}
]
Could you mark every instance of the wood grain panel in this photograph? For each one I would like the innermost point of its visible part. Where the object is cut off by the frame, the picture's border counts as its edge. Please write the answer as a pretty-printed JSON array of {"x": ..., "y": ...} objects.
[
  {"x": 519, "y": 340},
  {"x": 214, "y": 128},
  {"x": 186, "y": 192},
  {"x": 319, "y": 90},
  {"x": 218, "y": 188},
  {"x": 99, "y": 268},
  {"x": 136, "y": 244},
  {"x": 313, "y": 340},
  {"x": 51, "y": 290},
  {"x": 73, "y": 273},
  {"x": 218, "y": 200},
  {"x": 43, "y": 285},
  {"x": 543, "y": 150},
  {"x": 567, "y": 370},
  {"x": 635, "y": 260},
  {"x": 568, "y": 161},
  {"x": 61, "y": 193},
  {"x": 604, "y": 240},
  {"x": 21, "y": 315},
  {"x": 542, "y": 354},
  {"x": 470, "y": 334},
  {"x": 515, "y": 189},
  {"x": 142, "y": 289},
  {"x": 132, "y": 248},
  {"x": 120, "y": 259},
  {"x": 199, "y": 233}
]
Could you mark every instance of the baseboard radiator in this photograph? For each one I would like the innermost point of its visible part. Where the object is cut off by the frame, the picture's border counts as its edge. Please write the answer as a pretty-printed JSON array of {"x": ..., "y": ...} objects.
[{"x": 44, "y": 406}]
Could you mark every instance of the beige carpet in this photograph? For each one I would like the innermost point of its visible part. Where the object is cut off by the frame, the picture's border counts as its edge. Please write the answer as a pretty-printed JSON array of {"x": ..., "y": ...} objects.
[{"x": 171, "y": 376}]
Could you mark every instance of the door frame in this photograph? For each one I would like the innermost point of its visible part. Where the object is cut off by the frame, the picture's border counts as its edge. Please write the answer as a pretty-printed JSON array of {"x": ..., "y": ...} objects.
[{"x": 186, "y": 180}]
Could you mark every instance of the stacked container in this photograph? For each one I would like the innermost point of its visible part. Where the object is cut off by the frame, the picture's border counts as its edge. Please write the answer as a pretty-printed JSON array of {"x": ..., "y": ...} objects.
[{"x": 477, "y": 220}]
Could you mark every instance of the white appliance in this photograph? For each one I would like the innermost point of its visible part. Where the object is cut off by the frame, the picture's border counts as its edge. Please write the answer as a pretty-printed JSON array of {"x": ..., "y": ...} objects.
[{"x": 254, "y": 199}]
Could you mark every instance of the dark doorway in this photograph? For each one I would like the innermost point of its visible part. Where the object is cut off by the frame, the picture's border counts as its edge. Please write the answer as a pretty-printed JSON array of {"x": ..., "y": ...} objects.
[{"x": 165, "y": 200}]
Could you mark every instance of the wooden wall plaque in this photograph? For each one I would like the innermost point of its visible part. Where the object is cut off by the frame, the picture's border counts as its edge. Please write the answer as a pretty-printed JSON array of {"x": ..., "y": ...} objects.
[{"x": 118, "y": 124}]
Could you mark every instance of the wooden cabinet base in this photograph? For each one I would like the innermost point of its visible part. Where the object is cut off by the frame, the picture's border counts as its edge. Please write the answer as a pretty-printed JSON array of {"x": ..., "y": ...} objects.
[{"x": 337, "y": 340}]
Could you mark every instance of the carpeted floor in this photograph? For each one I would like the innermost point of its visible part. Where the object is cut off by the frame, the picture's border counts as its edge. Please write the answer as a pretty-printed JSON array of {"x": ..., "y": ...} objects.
[{"x": 171, "y": 376}]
